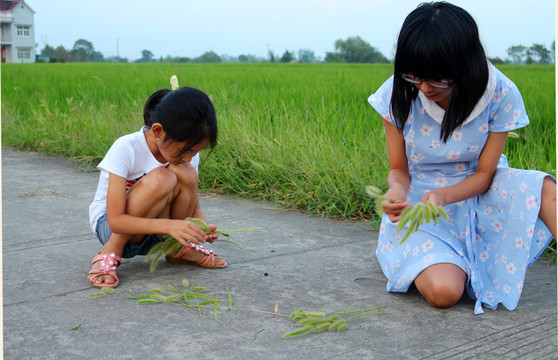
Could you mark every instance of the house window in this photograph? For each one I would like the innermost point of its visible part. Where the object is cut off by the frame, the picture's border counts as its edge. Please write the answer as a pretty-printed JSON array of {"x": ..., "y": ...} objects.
[
  {"x": 23, "y": 30},
  {"x": 23, "y": 54}
]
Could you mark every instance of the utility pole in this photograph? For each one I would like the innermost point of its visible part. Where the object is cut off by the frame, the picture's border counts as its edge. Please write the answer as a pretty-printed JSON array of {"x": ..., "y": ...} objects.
[{"x": 117, "y": 54}]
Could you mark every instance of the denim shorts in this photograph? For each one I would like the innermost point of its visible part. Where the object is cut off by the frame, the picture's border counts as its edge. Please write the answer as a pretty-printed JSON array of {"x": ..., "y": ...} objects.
[{"x": 103, "y": 233}]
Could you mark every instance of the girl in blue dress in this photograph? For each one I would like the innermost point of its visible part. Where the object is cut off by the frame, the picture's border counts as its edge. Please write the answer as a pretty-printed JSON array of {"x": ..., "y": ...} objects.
[{"x": 447, "y": 112}]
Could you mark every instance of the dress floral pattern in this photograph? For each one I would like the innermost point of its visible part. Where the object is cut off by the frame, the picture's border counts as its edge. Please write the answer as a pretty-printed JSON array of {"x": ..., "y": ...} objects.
[{"x": 494, "y": 237}]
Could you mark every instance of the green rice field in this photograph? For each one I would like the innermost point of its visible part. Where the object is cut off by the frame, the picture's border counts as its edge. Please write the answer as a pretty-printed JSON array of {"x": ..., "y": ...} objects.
[{"x": 300, "y": 135}]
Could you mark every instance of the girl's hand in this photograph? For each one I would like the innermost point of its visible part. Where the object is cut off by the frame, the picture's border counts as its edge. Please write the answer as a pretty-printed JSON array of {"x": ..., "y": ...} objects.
[
  {"x": 395, "y": 205},
  {"x": 435, "y": 198},
  {"x": 185, "y": 231},
  {"x": 211, "y": 237}
]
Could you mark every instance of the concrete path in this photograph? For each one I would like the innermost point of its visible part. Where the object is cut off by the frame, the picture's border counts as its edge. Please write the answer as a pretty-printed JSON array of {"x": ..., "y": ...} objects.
[{"x": 299, "y": 262}]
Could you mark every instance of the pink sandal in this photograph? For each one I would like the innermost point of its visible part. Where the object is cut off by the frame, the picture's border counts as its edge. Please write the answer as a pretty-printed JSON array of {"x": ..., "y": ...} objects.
[
  {"x": 208, "y": 260},
  {"x": 108, "y": 265}
]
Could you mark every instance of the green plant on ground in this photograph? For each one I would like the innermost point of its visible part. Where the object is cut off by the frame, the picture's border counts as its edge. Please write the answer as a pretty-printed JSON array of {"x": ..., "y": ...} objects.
[
  {"x": 193, "y": 297},
  {"x": 318, "y": 321}
]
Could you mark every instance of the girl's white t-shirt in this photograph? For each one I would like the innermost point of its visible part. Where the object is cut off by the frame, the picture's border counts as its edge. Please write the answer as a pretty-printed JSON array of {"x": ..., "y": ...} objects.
[{"x": 129, "y": 157}]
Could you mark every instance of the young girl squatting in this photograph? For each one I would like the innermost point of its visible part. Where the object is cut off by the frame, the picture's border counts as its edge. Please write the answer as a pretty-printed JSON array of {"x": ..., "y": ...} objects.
[{"x": 149, "y": 184}]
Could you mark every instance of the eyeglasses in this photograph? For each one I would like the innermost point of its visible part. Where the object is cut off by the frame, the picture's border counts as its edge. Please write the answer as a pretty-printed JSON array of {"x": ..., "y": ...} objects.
[{"x": 442, "y": 84}]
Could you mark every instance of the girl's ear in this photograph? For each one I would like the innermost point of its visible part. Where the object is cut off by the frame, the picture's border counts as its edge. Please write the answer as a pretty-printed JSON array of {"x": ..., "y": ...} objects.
[{"x": 157, "y": 130}]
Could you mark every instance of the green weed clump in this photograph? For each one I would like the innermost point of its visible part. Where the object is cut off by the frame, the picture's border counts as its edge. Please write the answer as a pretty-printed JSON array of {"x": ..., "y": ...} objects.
[
  {"x": 191, "y": 296},
  {"x": 413, "y": 216},
  {"x": 417, "y": 215},
  {"x": 317, "y": 321}
]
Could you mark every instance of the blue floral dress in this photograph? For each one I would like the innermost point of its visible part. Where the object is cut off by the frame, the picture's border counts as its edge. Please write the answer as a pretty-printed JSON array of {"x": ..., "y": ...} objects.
[{"x": 494, "y": 237}]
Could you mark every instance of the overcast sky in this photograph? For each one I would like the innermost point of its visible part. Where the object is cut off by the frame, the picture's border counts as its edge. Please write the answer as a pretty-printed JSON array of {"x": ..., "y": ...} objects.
[{"x": 234, "y": 27}]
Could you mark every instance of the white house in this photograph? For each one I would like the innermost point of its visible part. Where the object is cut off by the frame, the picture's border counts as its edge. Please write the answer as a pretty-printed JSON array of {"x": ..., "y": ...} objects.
[{"x": 17, "y": 31}]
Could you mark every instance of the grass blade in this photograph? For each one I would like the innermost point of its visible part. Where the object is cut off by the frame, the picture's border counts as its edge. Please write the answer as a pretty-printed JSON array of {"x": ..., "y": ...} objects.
[{"x": 230, "y": 298}]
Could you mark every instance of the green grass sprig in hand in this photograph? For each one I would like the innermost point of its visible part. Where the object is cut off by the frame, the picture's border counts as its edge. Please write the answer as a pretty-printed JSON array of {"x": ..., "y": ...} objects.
[
  {"x": 416, "y": 215},
  {"x": 170, "y": 245}
]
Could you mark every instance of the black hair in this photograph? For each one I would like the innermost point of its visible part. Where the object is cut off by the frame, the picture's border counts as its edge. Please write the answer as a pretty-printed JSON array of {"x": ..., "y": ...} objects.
[
  {"x": 440, "y": 41},
  {"x": 186, "y": 114}
]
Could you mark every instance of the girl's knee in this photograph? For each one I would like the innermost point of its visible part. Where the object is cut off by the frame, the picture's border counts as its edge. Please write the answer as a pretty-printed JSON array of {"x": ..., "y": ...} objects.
[
  {"x": 443, "y": 295},
  {"x": 160, "y": 181},
  {"x": 186, "y": 175},
  {"x": 442, "y": 285}
]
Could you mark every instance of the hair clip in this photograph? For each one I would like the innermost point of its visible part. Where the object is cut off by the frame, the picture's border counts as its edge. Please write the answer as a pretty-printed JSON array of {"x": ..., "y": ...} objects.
[{"x": 174, "y": 82}]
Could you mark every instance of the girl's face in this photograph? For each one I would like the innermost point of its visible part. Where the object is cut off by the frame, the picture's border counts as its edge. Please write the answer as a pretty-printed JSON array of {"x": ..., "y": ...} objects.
[
  {"x": 166, "y": 150},
  {"x": 174, "y": 152},
  {"x": 438, "y": 95}
]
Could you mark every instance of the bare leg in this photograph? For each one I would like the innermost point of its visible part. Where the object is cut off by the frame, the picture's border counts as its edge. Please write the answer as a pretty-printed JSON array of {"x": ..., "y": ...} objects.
[
  {"x": 186, "y": 204},
  {"x": 441, "y": 284},
  {"x": 149, "y": 197},
  {"x": 547, "y": 212}
]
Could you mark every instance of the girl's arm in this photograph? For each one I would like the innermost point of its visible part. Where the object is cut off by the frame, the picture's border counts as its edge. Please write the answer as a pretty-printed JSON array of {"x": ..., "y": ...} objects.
[
  {"x": 398, "y": 178},
  {"x": 477, "y": 183},
  {"x": 122, "y": 223}
]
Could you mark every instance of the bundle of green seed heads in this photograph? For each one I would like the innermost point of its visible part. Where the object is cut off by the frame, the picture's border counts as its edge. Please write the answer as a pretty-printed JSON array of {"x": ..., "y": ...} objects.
[
  {"x": 415, "y": 216},
  {"x": 318, "y": 321},
  {"x": 171, "y": 245}
]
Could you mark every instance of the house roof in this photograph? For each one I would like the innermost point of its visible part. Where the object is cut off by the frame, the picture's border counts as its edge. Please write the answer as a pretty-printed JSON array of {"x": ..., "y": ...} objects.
[{"x": 8, "y": 5}]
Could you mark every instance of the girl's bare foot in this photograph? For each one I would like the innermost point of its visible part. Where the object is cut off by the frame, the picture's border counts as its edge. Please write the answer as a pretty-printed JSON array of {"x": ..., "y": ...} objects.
[{"x": 103, "y": 271}]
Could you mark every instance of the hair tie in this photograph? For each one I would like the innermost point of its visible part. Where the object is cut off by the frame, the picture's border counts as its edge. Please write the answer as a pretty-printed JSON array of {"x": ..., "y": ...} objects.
[{"x": 174, "y": 82}]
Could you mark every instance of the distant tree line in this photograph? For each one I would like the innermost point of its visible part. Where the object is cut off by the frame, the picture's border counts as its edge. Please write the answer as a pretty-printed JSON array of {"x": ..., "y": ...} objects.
[
  {"x": 522, "y": 55},
  {"x": 355, "y": 50},
  {"x": 535, "y": 54},
  {"x": 83, "y": 51},
  {"x": 351, "y": 50}
]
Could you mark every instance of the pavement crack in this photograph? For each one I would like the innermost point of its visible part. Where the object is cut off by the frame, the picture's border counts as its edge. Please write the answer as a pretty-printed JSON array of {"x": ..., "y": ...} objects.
[
  {"x": 42, "y": 298},
  {"x": 510, "y": 337},
  {"x": 45, "y": 242}
]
